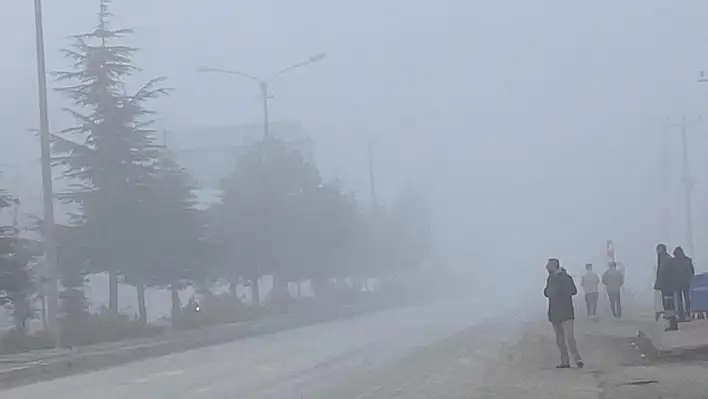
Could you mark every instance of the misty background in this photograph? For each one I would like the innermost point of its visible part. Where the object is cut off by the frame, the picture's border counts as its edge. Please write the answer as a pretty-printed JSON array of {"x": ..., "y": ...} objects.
[{"x": 534, "y": 128}]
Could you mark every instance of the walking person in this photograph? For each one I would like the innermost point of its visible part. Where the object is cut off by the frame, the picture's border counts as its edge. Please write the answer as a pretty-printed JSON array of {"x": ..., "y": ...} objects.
[
  {"x": 658, "y": 298},
  {"x": 613, "y": 280},
  {"x": 667, "y": 282},
  {"x": 560, "y": 289},
  {"x": 686, "y": 271},
  {"x": 658, "y": 305},
  {"x": 590, "y": 281}
]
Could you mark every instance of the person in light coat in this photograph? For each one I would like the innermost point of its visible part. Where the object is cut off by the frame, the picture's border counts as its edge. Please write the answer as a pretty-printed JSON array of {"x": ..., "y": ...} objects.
[{"x": 590, "y": 282}]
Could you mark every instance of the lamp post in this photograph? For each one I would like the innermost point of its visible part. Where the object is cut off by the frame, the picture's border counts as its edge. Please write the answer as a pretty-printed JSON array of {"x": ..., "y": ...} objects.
[{"x": 264, "y": 84}]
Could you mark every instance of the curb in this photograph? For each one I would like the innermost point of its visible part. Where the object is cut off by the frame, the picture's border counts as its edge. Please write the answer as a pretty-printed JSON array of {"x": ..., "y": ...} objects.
[
  {"x": 646, "y": 345},
  {"x": 655, "y": 352}
]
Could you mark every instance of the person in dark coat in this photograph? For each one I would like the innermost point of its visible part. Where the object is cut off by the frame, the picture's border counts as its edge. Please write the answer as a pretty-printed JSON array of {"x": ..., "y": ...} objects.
[
  {"x": 613, "y": 280},
  {"x": 667, "y": 281},
  {"x": 560, "y": 289},
  {"x": 686, "y": 271}
]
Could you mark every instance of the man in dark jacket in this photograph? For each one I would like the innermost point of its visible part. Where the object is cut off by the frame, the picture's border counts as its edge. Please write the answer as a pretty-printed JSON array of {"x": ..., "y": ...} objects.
[
  {"x": 613, "y": 280},
  {"x": 686, "y": 271},
  {"x": 667, "y": 281},
  {"x": 560, "y": 289}
]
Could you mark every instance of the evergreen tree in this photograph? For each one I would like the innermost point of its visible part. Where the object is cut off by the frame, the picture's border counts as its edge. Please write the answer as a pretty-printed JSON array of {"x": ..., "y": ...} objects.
[
  {"x": 16, "y": 284},
  {"x": 110, "y": 155},
  {"x": 413, "y": 234},
  {"x": 259, "y": 219},
  {"x": 333, "y": 224},
  {"x": 171, "y": 232},
  {"x": 72, "y": 262}
]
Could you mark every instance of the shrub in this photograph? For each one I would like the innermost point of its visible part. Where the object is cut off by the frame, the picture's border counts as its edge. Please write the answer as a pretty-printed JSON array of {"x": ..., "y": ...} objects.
[
  {"x": 16, "y": 341},
  {"x": 213, "y": 309},
  {"x": 105, "y": 326}
]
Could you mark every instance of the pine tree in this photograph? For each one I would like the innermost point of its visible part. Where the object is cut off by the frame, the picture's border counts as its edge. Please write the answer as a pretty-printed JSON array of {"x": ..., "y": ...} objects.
[
  {"x": 72, "y": 263},
  {"x": 171, "y": 232},
  {"x": 412, "y": 214},
  {"x": 16, "y": 284},
  {"x": 331, "y": 221},
  {"x": 259, "y": 220},
  {"x": 111, "y": 153}
]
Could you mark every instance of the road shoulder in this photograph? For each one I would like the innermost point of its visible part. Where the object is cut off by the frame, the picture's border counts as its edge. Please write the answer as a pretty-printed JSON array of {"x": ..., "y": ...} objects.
[{"x": 617, "y": 367}]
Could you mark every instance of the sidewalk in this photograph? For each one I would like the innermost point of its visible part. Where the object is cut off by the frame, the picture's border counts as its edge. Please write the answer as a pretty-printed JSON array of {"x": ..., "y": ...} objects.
[
  {"x": 677, "y": 371},
  {"x": 526, "y": 369},
  {"x": 615, "y": 365},
  {"x": 506, "y": 358},
  {"x": 658, "y": 381},
  {"x": 691, "y": 337},
  {"x": 499, "y": 359}
]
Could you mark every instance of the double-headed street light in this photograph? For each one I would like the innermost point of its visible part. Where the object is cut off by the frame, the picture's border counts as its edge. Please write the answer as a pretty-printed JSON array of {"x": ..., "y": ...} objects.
[{"x": 263, "y": 83}]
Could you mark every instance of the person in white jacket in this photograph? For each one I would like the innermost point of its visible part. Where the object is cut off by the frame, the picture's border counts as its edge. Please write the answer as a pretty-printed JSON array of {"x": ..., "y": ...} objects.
[{"x": 590, "y": 282}]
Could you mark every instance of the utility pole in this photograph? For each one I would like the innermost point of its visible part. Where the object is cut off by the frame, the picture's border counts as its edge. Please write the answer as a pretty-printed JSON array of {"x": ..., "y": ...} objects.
[
  {"x": 666, "y": 177},
  {"x": 687, "y": 181},
  {"x": 266, "y": 117},
  {"x": 49, "y": 233},
  {"x": 688, "y": 187},
  {"x": 372, "y": 177}
]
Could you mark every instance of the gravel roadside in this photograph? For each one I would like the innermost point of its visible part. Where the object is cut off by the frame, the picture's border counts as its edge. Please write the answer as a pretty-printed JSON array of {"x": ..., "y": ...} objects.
[{"x": 502, "y": 359}]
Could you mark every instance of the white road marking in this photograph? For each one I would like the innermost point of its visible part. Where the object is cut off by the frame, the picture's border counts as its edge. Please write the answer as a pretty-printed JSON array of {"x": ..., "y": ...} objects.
[
  {"x": 169, "y": 373},
  {"x": 206, "y": 388},
  {"x": 371, "y": 392},
  {"x": 156, "y": 375}
]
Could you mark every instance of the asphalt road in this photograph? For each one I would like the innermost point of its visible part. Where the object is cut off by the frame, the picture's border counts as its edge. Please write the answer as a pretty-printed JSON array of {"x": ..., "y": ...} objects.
[{"x": 371, "y": 356}]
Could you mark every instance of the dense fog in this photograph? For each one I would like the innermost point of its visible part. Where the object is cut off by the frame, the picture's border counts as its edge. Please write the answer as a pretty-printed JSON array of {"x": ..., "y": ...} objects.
[
  {"x": 352, "y": 199},
  {"x": 534, "y": 129}
]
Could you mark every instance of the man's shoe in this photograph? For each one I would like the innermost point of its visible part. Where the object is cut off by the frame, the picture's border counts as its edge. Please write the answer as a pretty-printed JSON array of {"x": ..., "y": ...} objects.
[
  {"x": 581, "y": 364},
  {"x": 563, "y": 366}
]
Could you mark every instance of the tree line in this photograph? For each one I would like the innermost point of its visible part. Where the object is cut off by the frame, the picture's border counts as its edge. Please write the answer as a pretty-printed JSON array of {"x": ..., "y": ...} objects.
[{"x": 134, "y": 214}]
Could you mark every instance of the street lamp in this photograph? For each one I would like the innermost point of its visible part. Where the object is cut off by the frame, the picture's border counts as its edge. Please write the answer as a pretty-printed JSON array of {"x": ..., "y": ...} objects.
[
  {"x": 263, "y": 83},
  {"x": 49, "y": 233}
]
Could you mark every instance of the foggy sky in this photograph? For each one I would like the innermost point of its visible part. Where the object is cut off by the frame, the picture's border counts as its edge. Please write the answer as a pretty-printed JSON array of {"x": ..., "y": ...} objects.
[{"x": 534, "y": 125}]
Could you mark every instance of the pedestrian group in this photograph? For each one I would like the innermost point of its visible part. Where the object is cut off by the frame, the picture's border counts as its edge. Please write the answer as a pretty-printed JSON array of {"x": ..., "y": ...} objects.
[{"x": 673, "y": 281}]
